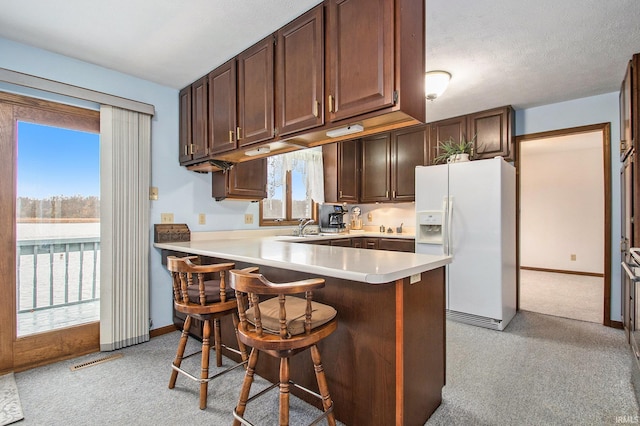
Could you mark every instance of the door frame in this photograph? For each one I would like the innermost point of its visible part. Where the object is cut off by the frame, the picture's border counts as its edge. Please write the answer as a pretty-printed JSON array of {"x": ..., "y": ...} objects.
[
  {"x": 605, "y": 128},
  {"x": 17, "y": 354}
]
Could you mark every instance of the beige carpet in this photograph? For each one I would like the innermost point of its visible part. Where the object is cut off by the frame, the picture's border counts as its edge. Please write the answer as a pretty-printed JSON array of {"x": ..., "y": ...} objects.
[
  {"x": 577, "y": 297},
  {"x": 10, "y": 408}
]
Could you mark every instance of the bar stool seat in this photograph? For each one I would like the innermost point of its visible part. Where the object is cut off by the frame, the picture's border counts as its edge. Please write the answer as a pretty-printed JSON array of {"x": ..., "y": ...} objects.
[
  {"x": 207, "y": 301},
  {"x": 281, "y": 326}
]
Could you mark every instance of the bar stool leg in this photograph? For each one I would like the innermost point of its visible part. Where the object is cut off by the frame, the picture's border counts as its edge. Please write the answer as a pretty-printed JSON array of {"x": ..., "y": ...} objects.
[
  {"x": 217, "y": 341},
  {"x": 241, "y": 346},
  {"x": 179, "y": 354},
  {"x": 284, "y": 391},
  {"x": 322, "y": 384},
  {"x": 204, "y": 372},
  {"x": 246, "y": 385}
]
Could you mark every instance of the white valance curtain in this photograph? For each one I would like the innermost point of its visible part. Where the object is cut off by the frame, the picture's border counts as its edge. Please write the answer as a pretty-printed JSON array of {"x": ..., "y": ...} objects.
[
  {"x": 308, "y": 162},
  {"x": 125, "y": 150}
]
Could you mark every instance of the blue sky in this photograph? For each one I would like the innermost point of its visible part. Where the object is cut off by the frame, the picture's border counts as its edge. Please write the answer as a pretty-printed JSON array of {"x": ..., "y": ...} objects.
[{"x": 55, "y": 161}]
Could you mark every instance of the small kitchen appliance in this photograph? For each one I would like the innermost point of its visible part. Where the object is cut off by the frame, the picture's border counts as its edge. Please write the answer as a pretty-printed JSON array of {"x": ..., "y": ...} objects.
[{"x": 332, "y": 218}]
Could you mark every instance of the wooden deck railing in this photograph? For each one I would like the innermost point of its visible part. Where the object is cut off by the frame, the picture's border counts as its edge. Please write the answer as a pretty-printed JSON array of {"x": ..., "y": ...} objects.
[{"x": 57, "y": 272}]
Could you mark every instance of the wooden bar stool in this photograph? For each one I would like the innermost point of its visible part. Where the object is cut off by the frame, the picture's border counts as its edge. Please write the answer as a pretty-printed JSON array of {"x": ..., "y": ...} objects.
[
  {"x": 206, "y": 301},
  {"x": 281, "y": 326}
]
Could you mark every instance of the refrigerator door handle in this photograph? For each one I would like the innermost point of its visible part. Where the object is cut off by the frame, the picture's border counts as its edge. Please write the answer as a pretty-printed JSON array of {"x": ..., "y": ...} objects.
[
  {"x": 445, "y": 227},
  {"x": 449, "y": 226}
]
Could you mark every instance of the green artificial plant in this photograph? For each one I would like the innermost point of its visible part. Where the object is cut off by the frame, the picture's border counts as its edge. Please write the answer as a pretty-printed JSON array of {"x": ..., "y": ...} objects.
[{"x": 450, "y": 147}]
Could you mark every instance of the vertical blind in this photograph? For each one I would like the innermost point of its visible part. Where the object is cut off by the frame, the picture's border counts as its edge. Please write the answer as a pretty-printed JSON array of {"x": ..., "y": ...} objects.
[{"x": 125, "y": 150}]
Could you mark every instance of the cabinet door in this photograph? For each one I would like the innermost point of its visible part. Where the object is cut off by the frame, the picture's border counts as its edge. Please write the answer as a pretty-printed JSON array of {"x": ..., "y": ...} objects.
[
  {"x": 349, "y": 171},
  {"x": 255, "y": 93},
  {"x": 370, "y": 243},
  {"x": 185, "y": 125},
  {"x": 626, "y": 139},
  {"x": 492, "y": 130},
  {"x": 300, "y": 73},
  {"x": 396, "y": 244},
  {"x": 246, "y": 180},
  {"x": 341, "y": 167},
  {"x": 222, "y": 108},
  {"x": 376, "y": 173},
  {"x": 454, "y": 128},
  {"x": 360, "y": 62},
  {"x": 199, "y": 119},
  {"x": 408, "y": 150},
  {"x": 356, "y": 242},
  {"x": 342, "y": 242}
]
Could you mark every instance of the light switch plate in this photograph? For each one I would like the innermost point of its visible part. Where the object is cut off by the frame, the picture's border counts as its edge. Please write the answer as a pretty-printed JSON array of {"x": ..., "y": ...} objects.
[{"x": 166, "y": 217}]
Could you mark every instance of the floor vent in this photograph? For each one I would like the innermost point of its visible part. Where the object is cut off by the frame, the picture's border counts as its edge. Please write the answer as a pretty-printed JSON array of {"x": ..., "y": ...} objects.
[{"x": 96, "y": 361}]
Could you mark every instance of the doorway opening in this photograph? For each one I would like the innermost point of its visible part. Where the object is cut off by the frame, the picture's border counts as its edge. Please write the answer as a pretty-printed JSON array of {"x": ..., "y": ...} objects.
[
  {"x": 564, "y": 220},
  {"x": 57, "y": 228}
]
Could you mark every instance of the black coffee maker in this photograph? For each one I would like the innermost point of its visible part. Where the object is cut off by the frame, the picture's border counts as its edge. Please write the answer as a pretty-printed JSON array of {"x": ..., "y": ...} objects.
[{"x": 332, "y": 218}]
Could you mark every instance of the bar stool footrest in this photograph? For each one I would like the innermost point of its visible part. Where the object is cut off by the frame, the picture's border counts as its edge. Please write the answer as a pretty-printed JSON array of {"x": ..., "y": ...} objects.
[{"x": 324, "y": 414}]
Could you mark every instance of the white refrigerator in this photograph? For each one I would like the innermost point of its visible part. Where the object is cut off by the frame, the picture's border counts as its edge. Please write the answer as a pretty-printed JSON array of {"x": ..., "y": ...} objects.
[{"x": 468, "y": 211}]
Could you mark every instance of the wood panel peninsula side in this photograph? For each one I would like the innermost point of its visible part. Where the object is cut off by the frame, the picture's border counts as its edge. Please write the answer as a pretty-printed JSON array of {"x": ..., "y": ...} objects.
[{"x": 385, "y": 364}]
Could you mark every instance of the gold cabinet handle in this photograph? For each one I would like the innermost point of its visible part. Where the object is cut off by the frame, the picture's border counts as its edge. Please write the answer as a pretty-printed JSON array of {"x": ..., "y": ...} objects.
[
  {"x": 186, "y": 152},
  {"x": 393, "y": 194},
  {"x": 191, "y": 149},
  {"x": 316, "y": 108},
  {"x": 340, "y": 195},
  {"x": 231, "y": 134},
  {"x": 238, "y": 133},
  {"x": 331, "y": 103},
  {"x": 386, "y": 194}
]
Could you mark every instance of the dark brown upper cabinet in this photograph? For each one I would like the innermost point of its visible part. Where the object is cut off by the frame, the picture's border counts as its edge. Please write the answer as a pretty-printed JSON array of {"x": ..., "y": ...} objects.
[
  {"x": 375, "y": 184},
  {"x": 199, "y": 111},
  {"x": 360, "y": 62},
  {"x": 222, "y": 108},
  {"x": 185, "y": 125},
  {"x": 443, "y": 130},
  {"x": 626, "y": 115},
  {"x": 341, "y": 163},
  {"x": 244, "y": 181},
  {"x": 408, "y": 150},
  {"x": 493, "y": 130},
  {"x": 255, "y": 93},
  {"x": 300, "y": 73}
]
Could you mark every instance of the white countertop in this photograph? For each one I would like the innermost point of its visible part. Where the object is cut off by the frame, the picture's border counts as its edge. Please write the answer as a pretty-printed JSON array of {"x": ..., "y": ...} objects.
[{"x": 365, "y": 265}]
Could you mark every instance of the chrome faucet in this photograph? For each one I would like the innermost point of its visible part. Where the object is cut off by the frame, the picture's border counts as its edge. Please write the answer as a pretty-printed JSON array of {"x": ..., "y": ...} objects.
[{"x": 303, "y": 224}]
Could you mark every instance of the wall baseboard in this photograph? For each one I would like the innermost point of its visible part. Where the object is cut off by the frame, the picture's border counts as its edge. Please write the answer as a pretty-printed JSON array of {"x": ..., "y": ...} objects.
[
  {"x": 560, "y": 271},
  {"x": 162, "y": 330}
]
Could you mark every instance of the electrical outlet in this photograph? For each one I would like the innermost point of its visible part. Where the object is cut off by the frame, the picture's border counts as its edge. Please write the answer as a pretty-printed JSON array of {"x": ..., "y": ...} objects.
[
  {"x": 202, "y": 219},
  {"x": 573, "y": 257},
  {"x": 166, "y": 217},
  {"x": 248, "y": 218},
  {"x": 370, "y": 217},
  {"x": 153, "y": 193}
]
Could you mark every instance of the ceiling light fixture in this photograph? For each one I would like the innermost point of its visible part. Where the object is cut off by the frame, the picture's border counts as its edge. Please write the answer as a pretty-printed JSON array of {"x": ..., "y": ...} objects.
[
  {"x": 258, "y": 151},
  {"x": 435, "y": 83},
  {"x": 342, "y": 131}
]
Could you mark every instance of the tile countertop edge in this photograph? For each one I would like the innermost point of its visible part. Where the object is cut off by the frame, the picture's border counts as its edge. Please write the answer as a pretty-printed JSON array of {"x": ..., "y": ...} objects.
[{"x": 318, "y": 268}]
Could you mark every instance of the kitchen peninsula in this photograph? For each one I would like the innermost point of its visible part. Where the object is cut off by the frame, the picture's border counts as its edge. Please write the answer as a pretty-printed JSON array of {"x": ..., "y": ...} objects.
[{"x": 386, "y": 361}]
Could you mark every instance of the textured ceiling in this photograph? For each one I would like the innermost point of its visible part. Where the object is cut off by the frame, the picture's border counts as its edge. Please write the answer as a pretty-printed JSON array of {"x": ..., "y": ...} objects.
[{"x": 519, "y": 52}]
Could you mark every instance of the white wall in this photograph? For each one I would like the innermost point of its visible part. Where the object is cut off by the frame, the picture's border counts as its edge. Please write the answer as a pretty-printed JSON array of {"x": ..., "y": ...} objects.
[
  {"x": 181, "y": 192},
  {"x": 581, "y": 112},
  {"x": 561, "y": 203}
]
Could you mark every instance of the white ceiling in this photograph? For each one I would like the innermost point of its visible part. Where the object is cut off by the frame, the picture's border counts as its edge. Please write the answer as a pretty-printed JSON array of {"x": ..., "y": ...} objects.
[{"x": 499, "y": 52}]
